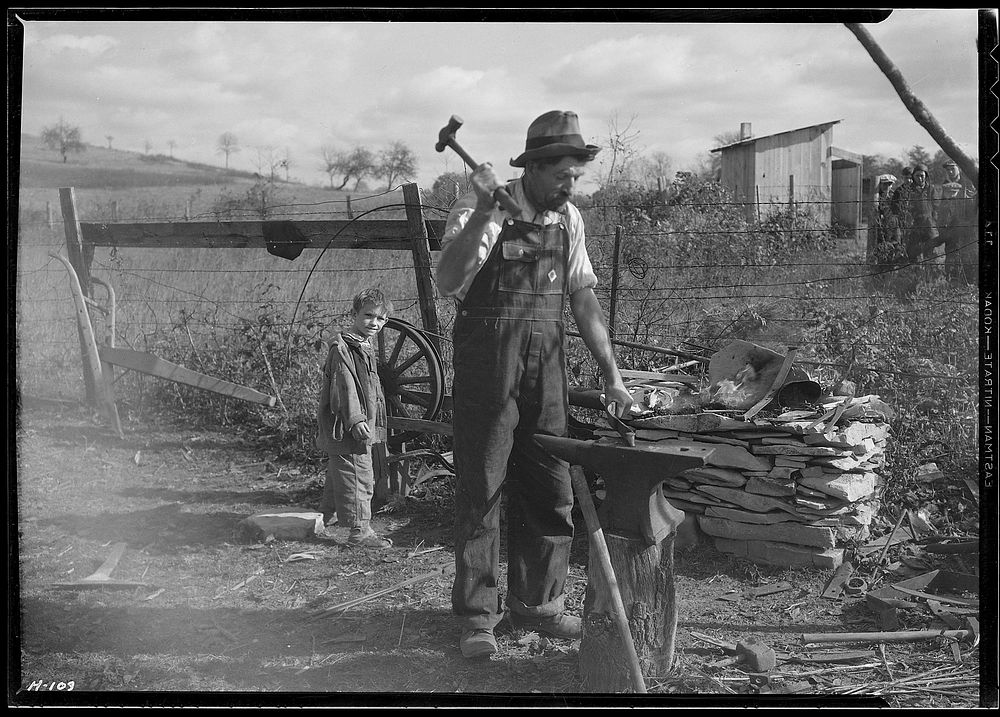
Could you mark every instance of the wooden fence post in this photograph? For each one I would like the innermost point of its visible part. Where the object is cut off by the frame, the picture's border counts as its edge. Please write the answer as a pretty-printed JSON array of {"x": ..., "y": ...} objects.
[
  {"x": 48, "y": 214},
  {"x": 791, "y": 208},
  {"x": 79, "y": 257},
  {"x": 421, "y": 261},
  {"x": 350, "y": 212},
  {"x": 614, "y": 281},
  {"x": 114, "y": 210}
]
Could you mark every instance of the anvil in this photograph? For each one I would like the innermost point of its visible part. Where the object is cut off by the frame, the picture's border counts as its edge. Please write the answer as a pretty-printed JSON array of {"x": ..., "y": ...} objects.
[{"x": 634, "y": 504}]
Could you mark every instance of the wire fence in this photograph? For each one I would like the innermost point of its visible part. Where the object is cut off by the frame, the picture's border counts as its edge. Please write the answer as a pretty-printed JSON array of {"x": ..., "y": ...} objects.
[{"x": 901, "y": 329}]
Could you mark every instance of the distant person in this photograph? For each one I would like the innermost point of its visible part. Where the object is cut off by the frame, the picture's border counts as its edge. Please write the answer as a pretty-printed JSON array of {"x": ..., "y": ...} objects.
[
  {"x": 905, "y": 182},
  {"x": 884, "y": 223},
  {"x": 958, "y": 223},
  {"x": 352, "y": 417},
  {"x": 920, "y": 216}
]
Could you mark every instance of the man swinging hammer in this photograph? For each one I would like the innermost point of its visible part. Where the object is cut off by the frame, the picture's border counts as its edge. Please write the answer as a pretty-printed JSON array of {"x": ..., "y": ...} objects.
[{"x": 510, "y": 278}]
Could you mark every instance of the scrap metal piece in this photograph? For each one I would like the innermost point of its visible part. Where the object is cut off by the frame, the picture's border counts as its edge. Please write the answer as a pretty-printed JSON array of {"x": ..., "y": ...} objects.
[
  {"x": 101, "y": 578},
  {"x": 835, "y": 587},
  {"x": 855, "y": 586}
]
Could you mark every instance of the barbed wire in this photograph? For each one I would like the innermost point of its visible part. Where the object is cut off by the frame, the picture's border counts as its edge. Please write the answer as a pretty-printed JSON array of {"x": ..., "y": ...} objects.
[
  {"x": 803, "y": 359},
  {"x": 637, "y": 267},
  {"x": 653, "y": 232},
  {"x": 760, "y": 231},
  {"x": 587, "y": 204},
  {"x": 599, "y": 267}
]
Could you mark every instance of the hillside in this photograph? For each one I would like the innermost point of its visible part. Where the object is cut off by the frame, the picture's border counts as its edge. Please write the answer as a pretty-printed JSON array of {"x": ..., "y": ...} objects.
[
  {"x": 100, "y": 167},
  {"x": 122, "y": 185}
]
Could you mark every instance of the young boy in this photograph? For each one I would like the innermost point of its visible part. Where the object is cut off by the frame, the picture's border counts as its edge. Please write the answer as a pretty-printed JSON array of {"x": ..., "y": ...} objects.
[{"x": 352, "y": 416}]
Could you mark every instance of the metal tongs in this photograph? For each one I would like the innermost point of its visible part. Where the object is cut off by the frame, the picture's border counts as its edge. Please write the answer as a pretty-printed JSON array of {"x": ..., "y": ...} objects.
[{"x": 626, "y": 433}]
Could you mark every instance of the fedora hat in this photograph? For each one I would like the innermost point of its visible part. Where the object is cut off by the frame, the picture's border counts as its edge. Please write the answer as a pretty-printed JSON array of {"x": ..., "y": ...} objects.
[{"x": 555, "y": 134}]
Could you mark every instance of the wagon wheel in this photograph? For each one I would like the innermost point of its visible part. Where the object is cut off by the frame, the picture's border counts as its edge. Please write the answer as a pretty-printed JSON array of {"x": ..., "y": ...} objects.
[{"x": 412, "y": 375}]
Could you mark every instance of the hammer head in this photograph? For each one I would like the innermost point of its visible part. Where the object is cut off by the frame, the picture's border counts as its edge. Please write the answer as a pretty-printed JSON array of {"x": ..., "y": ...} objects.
[{"x": 447, "y": 132}]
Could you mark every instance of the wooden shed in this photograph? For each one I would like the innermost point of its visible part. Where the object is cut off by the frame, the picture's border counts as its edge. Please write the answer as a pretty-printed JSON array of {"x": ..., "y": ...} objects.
[{"x": 799, "y": 165}]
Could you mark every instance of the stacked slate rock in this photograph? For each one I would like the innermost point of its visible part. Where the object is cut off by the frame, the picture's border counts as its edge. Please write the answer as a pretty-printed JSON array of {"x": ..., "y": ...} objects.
[{"x": 793, "y": 489}]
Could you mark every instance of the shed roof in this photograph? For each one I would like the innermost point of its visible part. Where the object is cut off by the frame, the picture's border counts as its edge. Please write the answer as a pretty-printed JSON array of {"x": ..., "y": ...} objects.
[{"x": 787, "y": 131}]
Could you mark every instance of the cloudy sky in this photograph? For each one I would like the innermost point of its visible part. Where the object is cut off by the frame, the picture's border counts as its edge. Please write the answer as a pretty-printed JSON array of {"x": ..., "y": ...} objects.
[{"x": 297, "y": 86}]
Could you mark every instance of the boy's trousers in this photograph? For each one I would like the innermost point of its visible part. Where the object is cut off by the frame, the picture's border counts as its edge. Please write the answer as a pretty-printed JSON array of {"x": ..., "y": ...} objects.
[{"x": 350, "y": 485}]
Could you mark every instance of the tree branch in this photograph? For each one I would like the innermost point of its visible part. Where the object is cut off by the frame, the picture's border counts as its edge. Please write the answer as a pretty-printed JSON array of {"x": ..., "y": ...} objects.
[{"x": 920, "y": 113}]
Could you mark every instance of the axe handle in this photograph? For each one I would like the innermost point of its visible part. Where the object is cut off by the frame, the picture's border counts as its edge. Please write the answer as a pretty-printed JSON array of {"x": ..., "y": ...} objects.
[{"x": 600, "y": 548}]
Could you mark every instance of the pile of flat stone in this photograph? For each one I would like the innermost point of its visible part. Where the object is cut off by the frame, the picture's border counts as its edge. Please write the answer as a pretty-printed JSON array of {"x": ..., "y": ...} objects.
[{"x": 793, "y": 489}]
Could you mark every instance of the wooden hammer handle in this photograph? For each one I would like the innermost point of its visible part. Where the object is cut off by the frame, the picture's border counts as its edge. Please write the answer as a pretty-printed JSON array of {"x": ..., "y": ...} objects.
[{"x": 501, "y": 195}]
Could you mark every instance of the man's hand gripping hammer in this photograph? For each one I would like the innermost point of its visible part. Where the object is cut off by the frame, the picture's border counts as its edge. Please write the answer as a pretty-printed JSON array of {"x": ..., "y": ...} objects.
[{"x": 446, "y": 138}]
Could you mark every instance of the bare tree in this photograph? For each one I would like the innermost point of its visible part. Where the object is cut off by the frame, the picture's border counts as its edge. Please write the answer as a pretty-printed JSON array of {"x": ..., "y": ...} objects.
[
  {"x": 446, "y": 189},
  {"x": 63, "y": 137},
  {"x": 356, "y": 164},
  {"x": 397, "y": 162},
  {"x": 109, "y": 138},
  {"x": 286, "y": 162},
  {"x": 621, "y": 152},
  {"x": 267, "y": 162},
  {"x": 715, "y": 158},
  {"x": 147, "y": 145},
  {"x": 331, "y": 162},
  {"x": 652, "y": 167},
  {"x": 920, "y": 112},
  {"x": 227, "y": 145},
  {"x": 171, "y": 143}
]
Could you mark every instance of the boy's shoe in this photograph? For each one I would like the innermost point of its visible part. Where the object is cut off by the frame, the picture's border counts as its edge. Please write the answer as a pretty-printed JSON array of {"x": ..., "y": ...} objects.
[
  {"x": 563, "y": 626},
  {"x": 329, "y": 520},
  {"x": 479, "y": 642}
]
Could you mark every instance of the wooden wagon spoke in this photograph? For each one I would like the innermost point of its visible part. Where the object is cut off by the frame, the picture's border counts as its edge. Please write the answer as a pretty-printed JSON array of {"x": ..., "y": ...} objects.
[
  {"x": 400, "y": 340},
  {"x": 397, "y": 370},
  {"x": 413, "y": 379},
  {"x": 398, "y": 405},
  {"x": 413, "y": 398}
]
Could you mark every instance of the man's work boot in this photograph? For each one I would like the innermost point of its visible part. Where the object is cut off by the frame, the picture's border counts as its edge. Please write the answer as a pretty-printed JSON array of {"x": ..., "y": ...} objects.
[
  {"x": 362, "y": 536},
  {"x": 479, "y": 642},
  {"x": 563, "y": 626}
]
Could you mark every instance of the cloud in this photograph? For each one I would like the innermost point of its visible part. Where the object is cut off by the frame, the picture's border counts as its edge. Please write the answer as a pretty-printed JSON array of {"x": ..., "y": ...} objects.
[
  {"x": 309, "y": 84},
  {"x": 93, "y": 45},
  {"x": 619, "y": 65}
]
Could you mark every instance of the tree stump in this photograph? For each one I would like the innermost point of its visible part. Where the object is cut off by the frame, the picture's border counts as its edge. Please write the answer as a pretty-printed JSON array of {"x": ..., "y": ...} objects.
[{"x": 645, "y": 576}]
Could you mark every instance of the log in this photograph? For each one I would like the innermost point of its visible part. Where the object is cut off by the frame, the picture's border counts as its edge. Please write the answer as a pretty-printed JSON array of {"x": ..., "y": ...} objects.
[{"x": 645, "y": 576}]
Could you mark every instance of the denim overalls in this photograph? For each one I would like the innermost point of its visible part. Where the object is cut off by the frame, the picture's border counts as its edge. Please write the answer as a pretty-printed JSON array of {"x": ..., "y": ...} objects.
[{"x": 510, "y": 382}]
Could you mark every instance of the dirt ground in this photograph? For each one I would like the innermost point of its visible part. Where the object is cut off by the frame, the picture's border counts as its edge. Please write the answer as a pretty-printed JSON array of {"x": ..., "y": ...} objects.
[{"x": 214, "y": 616}]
